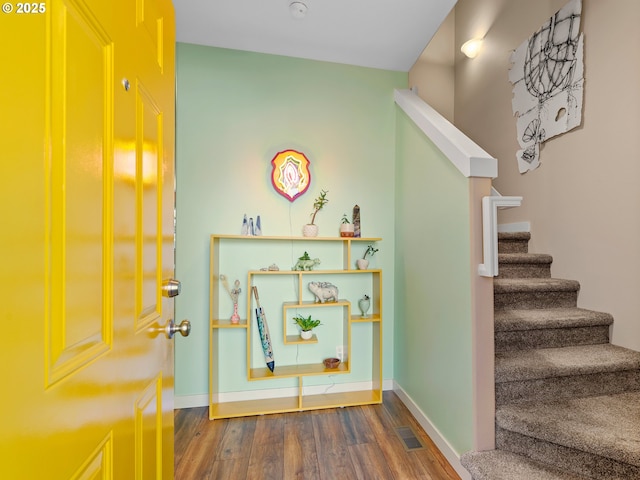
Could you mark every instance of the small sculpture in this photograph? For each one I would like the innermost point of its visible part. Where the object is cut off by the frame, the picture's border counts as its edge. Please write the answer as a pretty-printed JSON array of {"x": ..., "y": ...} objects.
[
  {"x": 271, "y": 268},
  {"x": 245, "y": 226},
  {"x": 248, "y": 228},
  {"x": 324, "y": 291},
  {"x": 305, "y": 262},
  {"x": 234, "y": 293}
]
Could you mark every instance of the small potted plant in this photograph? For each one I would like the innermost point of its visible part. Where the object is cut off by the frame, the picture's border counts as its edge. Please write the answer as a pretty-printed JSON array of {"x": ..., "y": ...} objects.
[
  {"x": 346, "y": 227},
  {"x": 363, "y": 263},
  {"x": 311, "y": 229},
  {"x": 306, "y": 324}
]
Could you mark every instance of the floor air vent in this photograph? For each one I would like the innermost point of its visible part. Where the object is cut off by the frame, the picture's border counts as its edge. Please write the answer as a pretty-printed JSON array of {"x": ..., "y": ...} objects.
[{"x": 409, "y": 438}]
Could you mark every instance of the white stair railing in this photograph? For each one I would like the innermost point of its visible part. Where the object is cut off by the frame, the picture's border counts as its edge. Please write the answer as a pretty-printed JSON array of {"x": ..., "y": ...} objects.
[{"x": 490, "y": 206}]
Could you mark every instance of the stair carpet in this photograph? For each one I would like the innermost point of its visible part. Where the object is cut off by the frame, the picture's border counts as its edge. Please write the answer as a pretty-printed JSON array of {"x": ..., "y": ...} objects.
[{"x": 567, "y": 401}]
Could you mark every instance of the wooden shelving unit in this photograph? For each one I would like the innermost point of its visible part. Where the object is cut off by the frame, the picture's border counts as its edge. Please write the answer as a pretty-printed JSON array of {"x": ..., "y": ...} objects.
[{"x": 299, "y": 372}]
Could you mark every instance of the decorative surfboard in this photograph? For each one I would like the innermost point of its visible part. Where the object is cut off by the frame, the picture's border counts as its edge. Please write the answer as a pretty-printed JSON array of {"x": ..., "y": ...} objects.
[{"x": 263, "y": 328}]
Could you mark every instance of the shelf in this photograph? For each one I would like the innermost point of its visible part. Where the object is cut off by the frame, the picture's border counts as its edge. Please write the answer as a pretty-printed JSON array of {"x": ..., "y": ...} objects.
[
  {"x": 296, "y": 339},
  {"x": 312, "y": 304},
  {"x": 342, "y": 399},
  {"x": 253, "y": 407},
  {"x": 304, "y": 239},
  {"x": 287, "y": 371},
  {"x": 371, "y": 318},
  {"x": 341, "y": 261},
  {"x": 310, "y": 272},
  {"x": 291, "y": 404},
  {"x": 216, "y": 323}
]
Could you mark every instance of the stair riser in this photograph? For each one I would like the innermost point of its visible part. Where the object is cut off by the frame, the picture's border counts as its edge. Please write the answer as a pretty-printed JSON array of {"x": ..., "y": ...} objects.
[
  {"x": 595, "y": 384},
  {"x": 565, "y": 458},
  {"x": 551, "y": 338},
  {"x": 524, "y": 270},
  {"x": 513, "y": 246},
  {"x": 513, "y": 300}
]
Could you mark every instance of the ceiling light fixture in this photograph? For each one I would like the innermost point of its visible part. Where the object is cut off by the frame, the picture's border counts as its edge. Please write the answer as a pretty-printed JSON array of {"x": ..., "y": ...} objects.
[
  {"x": 471, "y": 47},
  {"x": 297, "y": 9}
]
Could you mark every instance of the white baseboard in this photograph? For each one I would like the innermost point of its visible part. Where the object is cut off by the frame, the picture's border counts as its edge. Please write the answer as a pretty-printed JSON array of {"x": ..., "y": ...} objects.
[
  {"x": 192, "y": 401},
  {"x": 441, "y": 442},
  {"x": 514, "y": 227}
]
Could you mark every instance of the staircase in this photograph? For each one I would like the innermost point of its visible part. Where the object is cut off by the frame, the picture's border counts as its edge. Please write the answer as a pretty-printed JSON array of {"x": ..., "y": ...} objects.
[{"x": 567, "y": 401}]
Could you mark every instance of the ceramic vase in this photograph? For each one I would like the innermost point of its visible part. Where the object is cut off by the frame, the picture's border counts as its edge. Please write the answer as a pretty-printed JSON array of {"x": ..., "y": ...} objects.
[
  {"x": 235, "y": 318},
  {"x": 362, "y": 263},
  {"x": 306, "y": 334},
  {"x": 310, "y": 230},
  {"x": 364, "y": 304}
]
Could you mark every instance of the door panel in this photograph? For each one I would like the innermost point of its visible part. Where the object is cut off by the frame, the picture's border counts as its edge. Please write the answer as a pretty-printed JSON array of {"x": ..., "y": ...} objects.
[{"x": 86, "y": 198}]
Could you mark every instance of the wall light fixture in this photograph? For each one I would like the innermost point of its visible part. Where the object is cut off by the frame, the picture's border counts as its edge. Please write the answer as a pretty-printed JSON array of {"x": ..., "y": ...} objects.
[{"x": 471, "y": 47}]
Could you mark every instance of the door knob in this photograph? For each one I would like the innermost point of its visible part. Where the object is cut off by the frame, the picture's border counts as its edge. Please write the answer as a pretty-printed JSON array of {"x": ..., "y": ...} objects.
[
  {"x": 171, "y": 288},
  {"x": 184, "y": 328}
]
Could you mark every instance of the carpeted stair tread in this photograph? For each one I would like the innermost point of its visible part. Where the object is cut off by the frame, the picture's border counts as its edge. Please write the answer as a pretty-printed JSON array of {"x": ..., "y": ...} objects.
[
  {"x": 521, "y": 365},
  {"x": 517, "y": 285},
  {"x": 513, "y": 236},
  {"x": 527, "y": 258},
  {"x": 503, "y": 465},
  {"x": 512, "y": 242},
  {"x": 607, "y": 426},
  {"x": 534, "y": 319}
]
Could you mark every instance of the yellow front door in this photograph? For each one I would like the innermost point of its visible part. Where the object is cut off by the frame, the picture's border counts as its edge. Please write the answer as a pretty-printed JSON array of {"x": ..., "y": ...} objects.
[{"x": 86, "y": 243}]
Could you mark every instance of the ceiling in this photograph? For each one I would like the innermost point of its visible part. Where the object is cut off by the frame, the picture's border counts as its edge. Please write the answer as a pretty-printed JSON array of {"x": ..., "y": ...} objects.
[{"x": 386, "y": 34}]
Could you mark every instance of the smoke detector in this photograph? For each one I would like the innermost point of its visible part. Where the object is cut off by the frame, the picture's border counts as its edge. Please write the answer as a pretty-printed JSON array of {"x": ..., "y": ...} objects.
[{"x": 297, "y": 9}]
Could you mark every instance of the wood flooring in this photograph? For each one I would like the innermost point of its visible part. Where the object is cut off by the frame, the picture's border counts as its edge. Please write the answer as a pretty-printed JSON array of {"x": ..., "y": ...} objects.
[{"x": 334, "y": 444}]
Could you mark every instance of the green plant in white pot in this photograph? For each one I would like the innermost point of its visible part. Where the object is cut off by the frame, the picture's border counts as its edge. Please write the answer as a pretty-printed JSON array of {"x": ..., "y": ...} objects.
[
  {"x": 311, "y": 229},
  {"x": 363, "y": 263},
  {"x": 306, "y": 324},
  {"x": 346, "y": 227}
]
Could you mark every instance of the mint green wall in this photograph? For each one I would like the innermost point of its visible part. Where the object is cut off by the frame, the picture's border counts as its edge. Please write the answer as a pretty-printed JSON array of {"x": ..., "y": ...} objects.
[
  {"x": 235, "y": 111},
  {"x": 433, "y": 284}
]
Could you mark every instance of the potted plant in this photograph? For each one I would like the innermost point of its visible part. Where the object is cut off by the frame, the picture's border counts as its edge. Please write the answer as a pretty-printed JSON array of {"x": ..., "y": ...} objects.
[
  {"x": 346, "y": 227},
  {"x": 306, "y": 324},
  {"x": 363, "y": 263},
  {"x": 311, "y": 229}
]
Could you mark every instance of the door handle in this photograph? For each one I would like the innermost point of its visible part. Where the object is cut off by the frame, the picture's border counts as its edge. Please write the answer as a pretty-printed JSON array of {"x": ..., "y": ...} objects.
[
  {"x": 184, "y": 328},
  {"x": 171, "y": 288}
]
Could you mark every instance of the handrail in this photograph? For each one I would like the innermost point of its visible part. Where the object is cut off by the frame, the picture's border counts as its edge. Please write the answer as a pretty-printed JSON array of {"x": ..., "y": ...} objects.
[
  {"x": 468, "y": 157},
  {"x": 490, "y": 207}
]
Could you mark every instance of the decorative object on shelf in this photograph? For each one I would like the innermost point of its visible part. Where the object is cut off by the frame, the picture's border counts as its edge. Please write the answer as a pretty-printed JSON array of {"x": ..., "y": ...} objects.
[
  {"x": 234, "y": 293},
  {"x": 331, "y": 362},
  {"x": 363, "y": 263},
  {"x": 271, "y": 268},
  {"x": 324, "y": 291},
  {"x": 305, "y": 262},
  {"x": 306, "y": 324},
  {"x": 249, "y": 229},
  {"x": 363, "y": 304},
  {"x": 356, "y": 222},
  {"x": 311, "y": 229},
  {"x": 290, "y": 175},
  {"x": 258, "y": 230},
  {"x": 245, "y": 226},
  {"x": 346, "y": 227},
  {"x": 263, "y": 328}
]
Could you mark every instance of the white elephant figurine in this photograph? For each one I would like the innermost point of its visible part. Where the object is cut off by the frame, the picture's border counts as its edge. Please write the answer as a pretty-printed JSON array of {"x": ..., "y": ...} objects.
[{"x": 324, "y": 291}]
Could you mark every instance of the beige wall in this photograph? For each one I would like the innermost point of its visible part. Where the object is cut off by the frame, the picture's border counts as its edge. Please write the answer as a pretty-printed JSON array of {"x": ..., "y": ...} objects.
[
  {"x": 433, "y": 73},
  {"x": 583, "y": 202}
]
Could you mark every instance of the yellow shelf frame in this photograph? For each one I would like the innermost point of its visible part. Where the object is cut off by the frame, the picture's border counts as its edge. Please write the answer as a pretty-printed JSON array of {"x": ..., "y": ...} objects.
[{"x": 301, "y": 401}]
